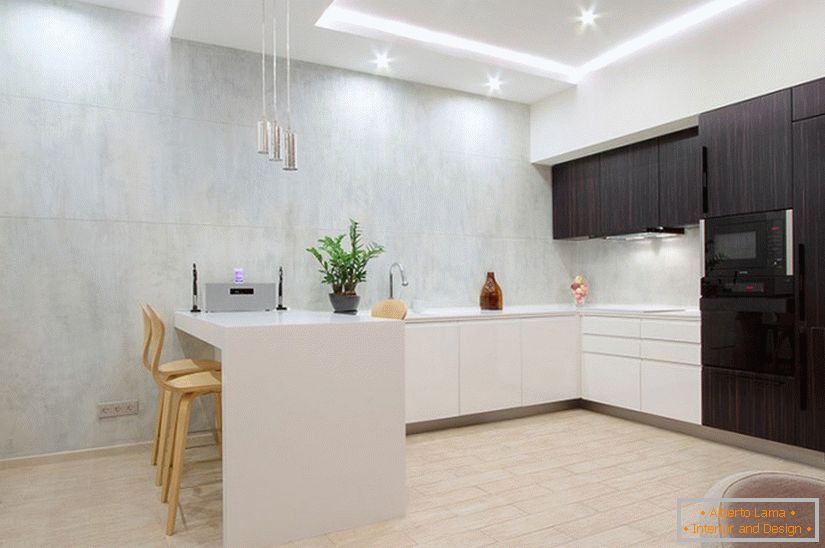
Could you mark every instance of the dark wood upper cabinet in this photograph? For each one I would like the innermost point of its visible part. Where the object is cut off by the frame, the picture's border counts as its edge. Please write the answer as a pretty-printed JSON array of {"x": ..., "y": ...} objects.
[
  {"x": 576, "y": 198},
  {"x": 748, "y": 155},
  {"x": 809, "y": 99},
  {"x": 680, "y": 178},
  {"x": 629, "y": 192}
]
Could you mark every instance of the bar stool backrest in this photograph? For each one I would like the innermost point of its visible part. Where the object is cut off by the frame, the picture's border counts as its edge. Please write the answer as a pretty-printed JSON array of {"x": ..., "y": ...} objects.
[
  {"x": 147, "y": 336},
  {"x": 158, "y": 335}
]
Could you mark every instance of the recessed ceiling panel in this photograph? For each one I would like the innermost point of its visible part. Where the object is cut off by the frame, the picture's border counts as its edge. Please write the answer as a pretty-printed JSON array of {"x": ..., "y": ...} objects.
[{"x": 546, "y": 28}]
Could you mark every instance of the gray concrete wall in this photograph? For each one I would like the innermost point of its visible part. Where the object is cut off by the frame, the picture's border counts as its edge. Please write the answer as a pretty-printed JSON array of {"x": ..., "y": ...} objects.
[{"x": 126, "y": 156}]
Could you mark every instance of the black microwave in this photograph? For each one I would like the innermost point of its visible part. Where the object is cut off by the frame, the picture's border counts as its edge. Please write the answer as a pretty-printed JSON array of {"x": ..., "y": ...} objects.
[{"x": 754, "y": 245}]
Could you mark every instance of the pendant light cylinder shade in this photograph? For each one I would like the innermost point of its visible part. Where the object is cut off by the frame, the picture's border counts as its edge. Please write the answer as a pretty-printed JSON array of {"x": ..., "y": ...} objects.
[
  {"x": 275, "y": 142},
  {"x": 263, "y": 136},
  {"x": 290, "y": 158}
]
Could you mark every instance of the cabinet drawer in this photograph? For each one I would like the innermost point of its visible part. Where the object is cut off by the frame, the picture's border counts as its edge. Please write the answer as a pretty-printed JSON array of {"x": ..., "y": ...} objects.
[
  {"x": 672, "y": 390},
  {"x": 666, "y": 351},
  {"x": 614, "y": 327},
  {"x": 672, "y": 330},
  {"x": 613, "y": 380},
  {"x": 619, "y": 346}
]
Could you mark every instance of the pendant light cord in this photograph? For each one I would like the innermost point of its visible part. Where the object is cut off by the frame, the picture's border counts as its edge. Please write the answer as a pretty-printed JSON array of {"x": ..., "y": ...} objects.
[
  {"x": 288, "y": 71},
  {"x": 263, "y": 58},
  {"x": 274, "y": 61}
]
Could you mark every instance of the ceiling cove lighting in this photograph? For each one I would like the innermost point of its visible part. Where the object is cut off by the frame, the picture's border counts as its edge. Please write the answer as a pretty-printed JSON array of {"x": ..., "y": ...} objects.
[
  {"x": 657, "y": 34},
  {"x": 337, "y": 18},
  {"x": 347, "y": 20},
  {"x": 170, "y": 12}
]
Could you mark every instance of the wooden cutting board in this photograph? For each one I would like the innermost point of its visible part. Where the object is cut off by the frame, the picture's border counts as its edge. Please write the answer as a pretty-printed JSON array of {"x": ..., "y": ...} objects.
[{"x": 392, "y": 309}]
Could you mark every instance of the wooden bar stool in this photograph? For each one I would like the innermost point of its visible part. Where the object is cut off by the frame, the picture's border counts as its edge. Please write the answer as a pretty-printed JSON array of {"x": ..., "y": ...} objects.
[
  {"x": 175, "y": 425},
  {"x": 169, "y": 370}
]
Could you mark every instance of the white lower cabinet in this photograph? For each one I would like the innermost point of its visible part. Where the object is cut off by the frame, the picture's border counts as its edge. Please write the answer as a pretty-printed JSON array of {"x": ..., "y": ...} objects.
[
  {"x": 490, "y": 365},
  {"x": 613, "y": 380},
  {"x": 550, "y": 360},
  {"x": 672, "y": 390},
  {"x": 431, "y": 371},
  {"x": 472, "y": 366}
]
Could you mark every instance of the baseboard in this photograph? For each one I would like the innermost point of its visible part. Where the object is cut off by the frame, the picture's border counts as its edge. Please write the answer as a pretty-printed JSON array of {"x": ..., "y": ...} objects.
[
  {"x": 776, "y": 449},
  {"x": 491, "y": 416},
  {"x": 80, "y": 454},
  {"x": 773, "y": 448}
]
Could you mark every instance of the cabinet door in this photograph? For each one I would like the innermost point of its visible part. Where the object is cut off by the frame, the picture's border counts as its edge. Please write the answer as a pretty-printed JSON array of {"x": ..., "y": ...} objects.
[
  {"x": 611, "y": 379},
  {"x": 431, "y": 372},
  {"x": 550, "y": 360},
  {"x": 490, "y": 369},
  {"x": 809, "y": 99},
  {"x": 576, "y": 198},
  {"x": 748, "y": 155},
  {"x": 671, "y": 390},
  {"x": 764, "y": 406},
  {"x": 629, "y": 188},
  {"x": 809, "y": 229},
  {"x": 680, "y": 178}
]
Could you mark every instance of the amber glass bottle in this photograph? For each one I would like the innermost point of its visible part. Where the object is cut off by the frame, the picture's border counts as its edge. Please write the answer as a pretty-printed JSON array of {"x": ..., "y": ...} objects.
[{"x": 491, "y": 297}]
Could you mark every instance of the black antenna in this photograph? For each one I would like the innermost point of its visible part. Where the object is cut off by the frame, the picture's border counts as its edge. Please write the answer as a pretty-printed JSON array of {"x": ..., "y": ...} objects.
[
  {"x": 281, "y": 289},
  {"x": 195, "y": 288}
]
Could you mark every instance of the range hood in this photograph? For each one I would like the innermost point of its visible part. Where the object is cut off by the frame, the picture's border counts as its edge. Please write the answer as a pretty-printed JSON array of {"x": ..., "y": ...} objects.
[{"x": 654, "y": 233}]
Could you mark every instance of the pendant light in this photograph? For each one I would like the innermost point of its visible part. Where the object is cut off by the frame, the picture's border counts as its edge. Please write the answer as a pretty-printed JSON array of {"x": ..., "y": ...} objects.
[
  {"x": 274, "y": 128},
  {"x": 290, "y": 160},
  {"x": 263, "y": 123}
]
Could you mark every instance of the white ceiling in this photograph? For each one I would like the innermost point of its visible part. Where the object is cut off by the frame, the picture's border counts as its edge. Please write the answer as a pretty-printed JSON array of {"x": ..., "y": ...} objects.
[
  {"x": 144, "y": 7},
  {"x": 548, "y": 29}
]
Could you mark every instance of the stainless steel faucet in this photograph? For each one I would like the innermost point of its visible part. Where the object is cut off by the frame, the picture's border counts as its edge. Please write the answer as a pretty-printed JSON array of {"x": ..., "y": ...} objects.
[{"x": 403, "y": 277}]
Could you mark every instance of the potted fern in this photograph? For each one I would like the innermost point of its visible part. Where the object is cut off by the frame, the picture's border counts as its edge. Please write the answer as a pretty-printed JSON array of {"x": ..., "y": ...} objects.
[{"x": 344, "y": 269}]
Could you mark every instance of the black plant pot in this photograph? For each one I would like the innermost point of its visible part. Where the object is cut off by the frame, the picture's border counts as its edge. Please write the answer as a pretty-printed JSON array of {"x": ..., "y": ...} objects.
[{"x": 344, "y": 304}]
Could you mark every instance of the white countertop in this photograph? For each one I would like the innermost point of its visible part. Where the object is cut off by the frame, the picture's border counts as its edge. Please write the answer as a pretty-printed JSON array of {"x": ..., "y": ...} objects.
[
  {"x": 275, "y": 318},
  {"x": 236, "y": 320},
  {"x": 526, "y": 311}
]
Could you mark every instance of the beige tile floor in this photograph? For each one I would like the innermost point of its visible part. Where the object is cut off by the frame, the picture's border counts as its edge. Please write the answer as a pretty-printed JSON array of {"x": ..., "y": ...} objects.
[{"x": 573, "y": 478}]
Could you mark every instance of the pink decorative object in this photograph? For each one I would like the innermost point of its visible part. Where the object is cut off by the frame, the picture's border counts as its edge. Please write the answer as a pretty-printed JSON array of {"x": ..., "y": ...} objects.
[{"x": 580, "y": 289}]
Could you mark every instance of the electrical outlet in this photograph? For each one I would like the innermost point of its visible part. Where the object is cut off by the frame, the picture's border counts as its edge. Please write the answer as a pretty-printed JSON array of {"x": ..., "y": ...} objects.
[{"x": 111, "y": 409}]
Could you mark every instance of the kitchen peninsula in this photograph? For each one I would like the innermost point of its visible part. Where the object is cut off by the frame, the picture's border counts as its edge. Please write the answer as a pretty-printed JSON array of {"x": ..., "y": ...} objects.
[{"x": 313, "y": 421}]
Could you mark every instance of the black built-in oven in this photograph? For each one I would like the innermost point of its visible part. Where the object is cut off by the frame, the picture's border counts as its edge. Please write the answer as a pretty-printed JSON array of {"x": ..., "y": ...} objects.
[
  {"x": 747, "y": 305},
  {"x": 756, "y": 245},
  {"x": 754, "y": 334}
]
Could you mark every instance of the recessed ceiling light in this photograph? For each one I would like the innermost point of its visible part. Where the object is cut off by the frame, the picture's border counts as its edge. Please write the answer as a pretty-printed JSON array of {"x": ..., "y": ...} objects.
[
  {"x": 587, "y": 17},
  {"x": 382, "y": 60},
  {"x": 354, "y": 22},
  {"x": 493, "y": 84}
]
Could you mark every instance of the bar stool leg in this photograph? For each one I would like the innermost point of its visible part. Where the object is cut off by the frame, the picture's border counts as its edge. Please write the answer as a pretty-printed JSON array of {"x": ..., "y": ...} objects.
[
  {"x": 173, "y": 413},
  {"x": 156, "y": 439},
  {"x": 163, "y": 433},
  {"x": 181, "y": 430},
  {"x": 219, "y": 422}
]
